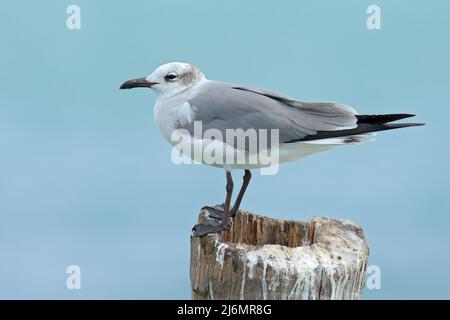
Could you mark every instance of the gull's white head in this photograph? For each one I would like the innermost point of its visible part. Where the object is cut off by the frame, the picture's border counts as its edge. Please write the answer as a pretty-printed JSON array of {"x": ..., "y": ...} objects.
[{"x": 168, "y": 79}]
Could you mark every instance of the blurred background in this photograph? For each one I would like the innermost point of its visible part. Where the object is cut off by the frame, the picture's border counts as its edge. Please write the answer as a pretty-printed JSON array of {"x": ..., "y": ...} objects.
[{"x": 86, "y": 179}]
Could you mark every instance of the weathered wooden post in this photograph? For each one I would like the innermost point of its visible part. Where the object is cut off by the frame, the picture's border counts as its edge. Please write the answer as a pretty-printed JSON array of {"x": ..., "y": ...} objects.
[{"x": 265, "y": 258}]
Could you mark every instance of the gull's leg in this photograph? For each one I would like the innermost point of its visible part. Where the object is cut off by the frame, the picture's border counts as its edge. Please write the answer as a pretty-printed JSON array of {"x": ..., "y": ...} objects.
[
  {"x": 217, "y": 225},
  {"x": 226, "y": 208},
  {"x": 245, "y": 183},
  {"x": 216, "y": 212}
]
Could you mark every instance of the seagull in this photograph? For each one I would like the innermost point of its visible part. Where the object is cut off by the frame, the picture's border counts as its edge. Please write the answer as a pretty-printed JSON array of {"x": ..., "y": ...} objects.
[{"x": 186, "y": 97}]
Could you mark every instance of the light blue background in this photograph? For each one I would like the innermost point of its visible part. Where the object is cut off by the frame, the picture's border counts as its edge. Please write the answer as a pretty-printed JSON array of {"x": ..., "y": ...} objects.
[{"x": 86, "y": 179}]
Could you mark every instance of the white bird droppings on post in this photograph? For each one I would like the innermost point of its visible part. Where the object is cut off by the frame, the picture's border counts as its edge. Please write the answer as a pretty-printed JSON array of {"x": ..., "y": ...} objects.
[
  {"x": 220, "y": 251},
  {"x": 241, "y": 294},
  {"x": 211, "y": 291}
]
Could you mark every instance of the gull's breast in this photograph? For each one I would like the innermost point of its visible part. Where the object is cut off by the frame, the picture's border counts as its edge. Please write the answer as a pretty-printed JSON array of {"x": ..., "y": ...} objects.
[{"x": 170, "y": 115}]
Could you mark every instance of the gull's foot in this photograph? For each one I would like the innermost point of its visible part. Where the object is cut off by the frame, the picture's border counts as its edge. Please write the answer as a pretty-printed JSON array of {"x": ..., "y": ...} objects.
[
  {"x": 207, "y": 227},
  {"x": 215, "y": 212}
]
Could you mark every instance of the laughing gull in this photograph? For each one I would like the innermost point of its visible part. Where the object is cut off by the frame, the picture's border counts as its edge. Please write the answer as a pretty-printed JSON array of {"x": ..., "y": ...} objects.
[{"x": 186, "y": 97}]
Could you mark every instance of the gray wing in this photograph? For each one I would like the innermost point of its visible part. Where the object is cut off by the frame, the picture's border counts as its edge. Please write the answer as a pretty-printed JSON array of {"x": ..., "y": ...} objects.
[{"x": 225, "y": 106}]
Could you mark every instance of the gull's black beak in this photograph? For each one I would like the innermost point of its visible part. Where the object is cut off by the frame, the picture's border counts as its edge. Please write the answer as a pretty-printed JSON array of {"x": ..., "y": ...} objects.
[{"x": 137, "y": 83}]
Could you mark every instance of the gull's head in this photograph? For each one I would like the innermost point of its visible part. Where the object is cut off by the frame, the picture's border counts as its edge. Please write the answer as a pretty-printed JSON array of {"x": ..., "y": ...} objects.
[{"x": 168, "y": 80}]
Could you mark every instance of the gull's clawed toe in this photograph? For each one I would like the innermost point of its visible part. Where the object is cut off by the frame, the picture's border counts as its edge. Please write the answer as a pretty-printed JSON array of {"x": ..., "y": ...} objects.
[
  {"x": 216, "y": 212},
  {"x": 208, "y": 227}
]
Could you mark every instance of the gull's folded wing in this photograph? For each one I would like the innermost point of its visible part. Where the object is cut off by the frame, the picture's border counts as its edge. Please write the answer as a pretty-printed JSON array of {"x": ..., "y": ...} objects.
[{"x": 224, "y": 106}]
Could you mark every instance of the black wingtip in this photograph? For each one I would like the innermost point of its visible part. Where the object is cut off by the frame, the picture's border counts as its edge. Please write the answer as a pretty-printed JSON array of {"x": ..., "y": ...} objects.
[
  {"x": 362, "y": 128},
  {"x": 382, "y": 118}
]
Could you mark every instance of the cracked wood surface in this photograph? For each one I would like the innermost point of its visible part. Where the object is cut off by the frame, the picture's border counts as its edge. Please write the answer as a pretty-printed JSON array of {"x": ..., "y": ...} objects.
[{"x": 265, "y": 258}]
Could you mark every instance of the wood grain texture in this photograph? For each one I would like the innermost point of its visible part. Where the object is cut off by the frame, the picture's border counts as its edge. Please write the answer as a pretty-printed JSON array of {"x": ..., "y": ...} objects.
[{"x": 265, "y": 258}]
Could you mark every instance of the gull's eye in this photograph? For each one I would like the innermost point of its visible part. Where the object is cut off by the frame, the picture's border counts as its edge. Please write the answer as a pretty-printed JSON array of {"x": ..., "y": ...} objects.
[{"x": 171, "y": 76}]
